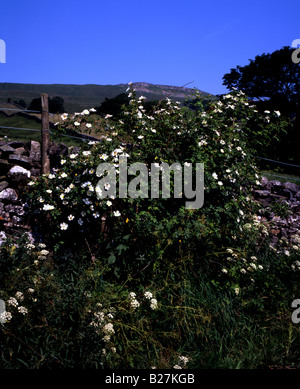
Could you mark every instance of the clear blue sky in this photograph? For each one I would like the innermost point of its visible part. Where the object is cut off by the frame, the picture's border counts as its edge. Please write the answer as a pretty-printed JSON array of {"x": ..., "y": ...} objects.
[{"x": 166, "y": 42}]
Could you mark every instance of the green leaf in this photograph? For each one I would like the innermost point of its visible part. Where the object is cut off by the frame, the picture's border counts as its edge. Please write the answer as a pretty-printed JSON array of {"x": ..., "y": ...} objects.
[{"x": 111, "y": 259}]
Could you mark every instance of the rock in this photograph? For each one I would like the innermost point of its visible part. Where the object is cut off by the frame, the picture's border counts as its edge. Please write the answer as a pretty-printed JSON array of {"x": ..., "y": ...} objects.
[
  {"x": 17, "y": 209},
  {"x": 36, "y": 172},
  {"x": 3, "y": 185},
  {"x": 9, "y": 194},
  {"x": 276, "y": 183},
  {"x": 20, "y": 159},
  {"x": 263, "y": 193},
  {"x": 16, "y": 220},
  {"x": 6, "y": 149},
  {"x": 291, "y": 187},
  {"x": 265, "y": 183},
  {"x": 20, "y": 151},
  {"x": 288, "y": 193},
  {"x": 18, "y": 172},
  {"x": 35, "y": 151},
  {"x": 277, "y": 196},
  {"x": 3, "y": 237},
  {"x": 275, "y": 232}
]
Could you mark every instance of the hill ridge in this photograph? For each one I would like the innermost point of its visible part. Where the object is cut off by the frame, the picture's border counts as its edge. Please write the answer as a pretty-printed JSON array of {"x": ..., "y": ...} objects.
[{"x": 80, "y": 96}]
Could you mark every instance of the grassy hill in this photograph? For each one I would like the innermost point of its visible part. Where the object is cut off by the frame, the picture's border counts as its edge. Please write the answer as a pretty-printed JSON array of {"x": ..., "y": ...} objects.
[{"x": 78, "y": 97}]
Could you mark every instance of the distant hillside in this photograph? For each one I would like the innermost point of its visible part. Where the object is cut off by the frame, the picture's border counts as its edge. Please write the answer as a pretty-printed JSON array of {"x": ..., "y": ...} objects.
[{"x": 78, "y": 97}]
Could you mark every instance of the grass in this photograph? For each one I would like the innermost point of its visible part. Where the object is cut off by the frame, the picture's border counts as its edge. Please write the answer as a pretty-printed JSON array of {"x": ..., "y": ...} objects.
[{"x": 23, "y": 123}]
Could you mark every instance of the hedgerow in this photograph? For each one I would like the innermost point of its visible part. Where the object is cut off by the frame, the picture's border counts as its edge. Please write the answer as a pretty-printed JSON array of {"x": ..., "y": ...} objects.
[{"x": 140, "y": 282}]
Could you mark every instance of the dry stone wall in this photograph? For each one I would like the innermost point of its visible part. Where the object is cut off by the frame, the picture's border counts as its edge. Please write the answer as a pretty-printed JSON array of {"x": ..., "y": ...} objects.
[
  {"x": 20, "y": 162},
  {"x": 280, "y": 212}
]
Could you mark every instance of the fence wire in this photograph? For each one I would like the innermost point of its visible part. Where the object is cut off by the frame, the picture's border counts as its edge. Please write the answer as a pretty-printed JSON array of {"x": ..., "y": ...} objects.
[{"x": 33, "y": 129}]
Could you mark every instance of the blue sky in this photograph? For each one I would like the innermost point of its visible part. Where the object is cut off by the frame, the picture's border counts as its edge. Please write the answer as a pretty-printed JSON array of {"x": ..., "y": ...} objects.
[{"x": 166, "y": 42}]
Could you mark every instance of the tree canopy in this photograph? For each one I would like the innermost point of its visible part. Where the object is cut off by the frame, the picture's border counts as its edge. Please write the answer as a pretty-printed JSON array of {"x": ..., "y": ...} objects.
[
  {"x": 56, "y": 104},
  {"x": 272, "y": 81},
  {"x": 113, "y": 106},
  {"x": 273, "y": 76}
]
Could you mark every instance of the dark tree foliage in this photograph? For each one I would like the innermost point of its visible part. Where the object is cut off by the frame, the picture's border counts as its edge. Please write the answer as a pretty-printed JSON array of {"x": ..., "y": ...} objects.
[
  {"x": 56, "y": 104},
  {"x": 113, "y": 106},
  {"x": 272, "y": 82},
  {"x": 21, "y": 103},
  {"x": 274, "y": 76},
  {"x": 35, "y": 104}
]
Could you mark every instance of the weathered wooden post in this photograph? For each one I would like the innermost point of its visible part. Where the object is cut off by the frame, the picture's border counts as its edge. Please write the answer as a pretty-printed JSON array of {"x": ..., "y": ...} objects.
[{"x": 45, "y": 134}]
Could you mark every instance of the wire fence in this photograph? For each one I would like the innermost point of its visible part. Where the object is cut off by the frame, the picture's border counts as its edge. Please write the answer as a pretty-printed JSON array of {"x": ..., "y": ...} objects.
[{"x": 34, "y": 129}]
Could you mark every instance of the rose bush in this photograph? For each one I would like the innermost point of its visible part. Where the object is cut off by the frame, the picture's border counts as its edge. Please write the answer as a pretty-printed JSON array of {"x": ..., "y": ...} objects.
[
  {"x": 146, "y": 282},
  {"x": 135, "y": 233}
]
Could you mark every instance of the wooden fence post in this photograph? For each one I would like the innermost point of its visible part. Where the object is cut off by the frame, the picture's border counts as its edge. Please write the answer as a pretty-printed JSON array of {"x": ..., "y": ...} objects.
[{"x": 45, "y": 134}]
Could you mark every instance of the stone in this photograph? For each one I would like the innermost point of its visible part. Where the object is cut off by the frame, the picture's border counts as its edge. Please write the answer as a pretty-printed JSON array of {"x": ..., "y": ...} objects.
[
  {"x": 266, "y": 183},
  {"x": 289, "y": 193},
  {"x": 4, "y": 215},
  {"x": 17, "y": 209},
  {"x": 18, "y": 172},
  {"x": 3, "y": 185},
  {"x": 20, "y": 159},
  {"x": 36, "y": 172},
  {"x": 20, "y": 151},
  {"x": 263, "y": 193},
  {"x": 291, "y": 186},
  {"x": 275, "y": 183},
  {"x": 3, "y": 237},
  {"x": 16, "y": 219},
  {"x": 7, "y": 149},
  {"x": 275, "y": 232},
  {"x": 35, "y": 151},
  {"x": 9, "y": 194}
]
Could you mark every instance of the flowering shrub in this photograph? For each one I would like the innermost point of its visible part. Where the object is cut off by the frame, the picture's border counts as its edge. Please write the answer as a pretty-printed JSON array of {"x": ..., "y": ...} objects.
[
  {"x": 136, "y": 232},
  {"x": 147, "y": 282}
]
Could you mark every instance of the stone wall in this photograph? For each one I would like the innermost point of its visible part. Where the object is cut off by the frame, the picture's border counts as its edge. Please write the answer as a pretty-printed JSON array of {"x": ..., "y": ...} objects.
[
  {"x": 280, "y": 211},
  {"x": 19, "y": 163}
]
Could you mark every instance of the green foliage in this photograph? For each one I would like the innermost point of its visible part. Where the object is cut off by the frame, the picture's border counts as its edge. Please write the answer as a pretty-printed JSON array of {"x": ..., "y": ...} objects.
[
  {"x": 222, "y": 138},
  {"x": 271, "y": 81},
  {"x": 56, "y": 104},
  {"x": 113, "y": 106},
  {"x": 142, "y": 282}
]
